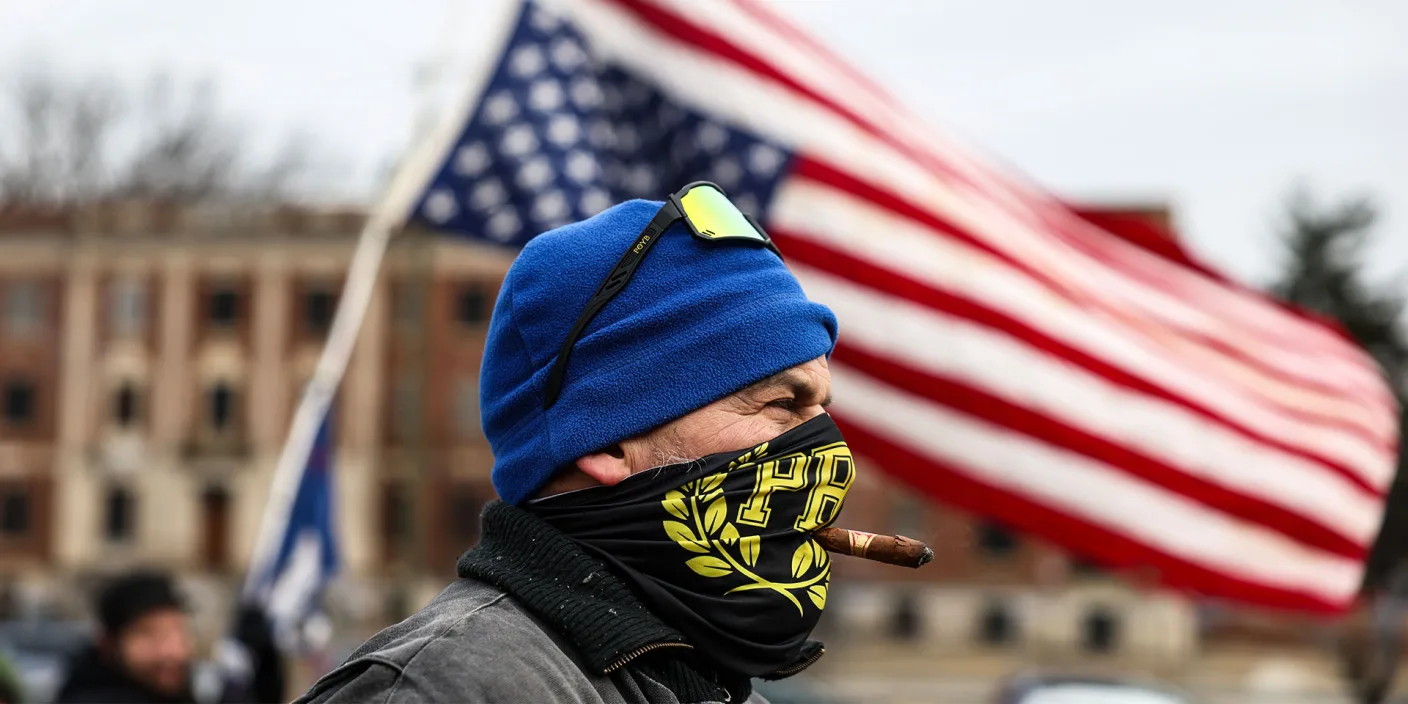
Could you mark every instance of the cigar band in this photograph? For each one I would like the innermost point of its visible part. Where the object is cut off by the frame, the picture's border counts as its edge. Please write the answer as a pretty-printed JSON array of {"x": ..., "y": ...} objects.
[{"x": 860, "y": 542}]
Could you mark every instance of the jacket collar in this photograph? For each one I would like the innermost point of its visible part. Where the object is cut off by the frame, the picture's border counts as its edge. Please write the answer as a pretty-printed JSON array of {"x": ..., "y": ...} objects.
[{"x": 582, "y": 600}]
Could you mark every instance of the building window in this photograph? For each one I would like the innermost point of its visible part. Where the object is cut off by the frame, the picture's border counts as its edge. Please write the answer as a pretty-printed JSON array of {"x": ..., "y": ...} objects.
[
  {"x": 1100, "y": 630},
  {"x": 1085, "y": 568},
  {"x": 223, "y": 307},
  {"x": 904, "y": 621},
  {"x": 467, "y": 406},
  {"x": 19, "y": 402},
  {"x": 995, "y": 541},
  {"x": 125, "y": 405},
  {"x": 119, "y": 515},
  {"x": 319, "y": 305},
  {"x": 23, "y": 308},
  {"x": 14, "y": 512},
  {"x": 472, "y": 305},
  {"x": 129, "y": 306},
  {"x": 405, "y": 407},
  {"x": 465, "y": 504},
  {"x": 995, "y": 625},
  {"x": 221, "y": 407}
]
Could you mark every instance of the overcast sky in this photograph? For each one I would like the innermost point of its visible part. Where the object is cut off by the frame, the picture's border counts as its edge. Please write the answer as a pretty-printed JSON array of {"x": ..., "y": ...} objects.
[{"x": 1217, "y": 107}]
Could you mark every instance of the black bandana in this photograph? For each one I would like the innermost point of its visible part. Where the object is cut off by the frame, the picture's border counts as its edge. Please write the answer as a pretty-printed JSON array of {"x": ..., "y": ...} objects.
[{"x": 720, "y": 548}]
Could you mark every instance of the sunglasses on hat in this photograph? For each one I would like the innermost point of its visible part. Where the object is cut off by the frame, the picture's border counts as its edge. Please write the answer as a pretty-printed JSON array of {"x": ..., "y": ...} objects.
[{"x": 709, "y": 215}]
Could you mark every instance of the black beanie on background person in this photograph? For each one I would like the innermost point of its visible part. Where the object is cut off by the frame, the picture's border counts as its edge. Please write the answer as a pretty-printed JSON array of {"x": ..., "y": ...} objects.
[{"x": 133, "y": 595}]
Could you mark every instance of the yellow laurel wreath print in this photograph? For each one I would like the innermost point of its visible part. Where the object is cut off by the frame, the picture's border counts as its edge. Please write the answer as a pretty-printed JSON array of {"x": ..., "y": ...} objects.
[{"x": 703, "y": 528}]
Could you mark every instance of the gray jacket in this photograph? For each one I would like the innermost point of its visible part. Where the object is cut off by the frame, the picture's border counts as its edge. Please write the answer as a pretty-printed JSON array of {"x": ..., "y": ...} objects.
[{"x": 532, "y": 619}]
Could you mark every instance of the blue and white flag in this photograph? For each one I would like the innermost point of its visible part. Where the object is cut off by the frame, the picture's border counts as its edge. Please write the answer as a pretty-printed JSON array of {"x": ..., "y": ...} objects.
[{"x": 291, "y": 586}]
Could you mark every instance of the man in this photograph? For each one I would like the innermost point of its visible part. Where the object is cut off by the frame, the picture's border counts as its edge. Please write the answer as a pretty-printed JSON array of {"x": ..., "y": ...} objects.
[
  {"x": 144, "y": 649},
  {"x": 653, "y": 387}
]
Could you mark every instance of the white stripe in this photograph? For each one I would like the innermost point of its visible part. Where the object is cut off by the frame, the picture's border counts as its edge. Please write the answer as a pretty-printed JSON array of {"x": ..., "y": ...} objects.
[
  {"x": 900, "y": 245},
  {"x": 815, "y": 72},
  {"x": 721, "y": 89},
  {"x": 1092, "y": 491},
  {"x": 956, "y": 348},
  {"x": 295, "y": 586}
]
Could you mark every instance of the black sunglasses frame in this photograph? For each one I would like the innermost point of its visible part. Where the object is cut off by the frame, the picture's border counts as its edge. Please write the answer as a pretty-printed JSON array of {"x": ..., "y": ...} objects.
[{"x": 625, "y": 268}]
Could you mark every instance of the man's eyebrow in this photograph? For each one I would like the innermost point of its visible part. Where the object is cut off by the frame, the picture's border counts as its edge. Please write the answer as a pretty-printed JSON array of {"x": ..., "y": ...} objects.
[{"x": 796, "y": 382}]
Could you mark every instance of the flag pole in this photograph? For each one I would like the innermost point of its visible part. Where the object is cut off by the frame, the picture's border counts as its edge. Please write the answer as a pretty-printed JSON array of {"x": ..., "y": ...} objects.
[{"x": 409, "y": 181}]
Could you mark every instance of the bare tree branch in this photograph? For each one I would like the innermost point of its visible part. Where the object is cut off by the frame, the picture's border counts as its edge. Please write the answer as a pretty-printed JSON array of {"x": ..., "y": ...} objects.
[{"x": 66, "y": 141}]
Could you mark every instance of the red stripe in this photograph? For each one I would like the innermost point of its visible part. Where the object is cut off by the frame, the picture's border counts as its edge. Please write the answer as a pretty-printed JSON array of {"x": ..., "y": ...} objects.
[
  {"x": 694, "y": 34},
  {"x": 959, "y": 488},
  {"x": 808, "y": 252},
  {"x": 979, "y": 404},
  {"x": 807, "y": 168},
  {"x": 765, "y": 16}
]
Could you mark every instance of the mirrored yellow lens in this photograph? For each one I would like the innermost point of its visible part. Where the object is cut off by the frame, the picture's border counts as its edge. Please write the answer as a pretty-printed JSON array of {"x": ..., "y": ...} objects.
[{"x": 716, "y": 217}]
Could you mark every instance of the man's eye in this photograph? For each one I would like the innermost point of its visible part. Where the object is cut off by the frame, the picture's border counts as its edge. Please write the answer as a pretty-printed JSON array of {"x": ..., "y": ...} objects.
[{"x": 787, "y": 404}]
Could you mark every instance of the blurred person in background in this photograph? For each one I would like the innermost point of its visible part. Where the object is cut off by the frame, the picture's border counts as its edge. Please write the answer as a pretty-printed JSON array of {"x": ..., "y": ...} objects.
[
  {"x": 596, "y": 580},
  {"x": 144, "y": 648},
  {"x": 144, "y": 651}
]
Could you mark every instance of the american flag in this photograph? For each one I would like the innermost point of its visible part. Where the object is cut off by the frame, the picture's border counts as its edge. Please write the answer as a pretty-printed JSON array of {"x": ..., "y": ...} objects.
[{"x": 997, "y": 351}]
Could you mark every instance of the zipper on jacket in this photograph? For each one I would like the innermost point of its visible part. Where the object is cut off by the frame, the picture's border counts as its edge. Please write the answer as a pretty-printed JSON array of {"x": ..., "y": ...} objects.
[
  {"x": 802, "y": 666},
  {"x": 628, "y": 657}
]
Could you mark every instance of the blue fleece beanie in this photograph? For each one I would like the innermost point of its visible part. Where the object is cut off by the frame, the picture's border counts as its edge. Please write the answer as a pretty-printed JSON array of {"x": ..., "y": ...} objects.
[{"x": 697, "y": 322}]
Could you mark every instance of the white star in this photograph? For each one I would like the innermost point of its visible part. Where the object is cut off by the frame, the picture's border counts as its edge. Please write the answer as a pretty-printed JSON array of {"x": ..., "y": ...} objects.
[
  {"x": 563, "y": 130},
  {"x": 764, "y": 159},
  {"x": 627, "y": 140},
  {"x": 440, "y": 206},
  {"x": 640, "y": 179},
  {"x": 472, "y": 159},
  {"x": 543, "y": 21},
  {"x": 711, "y": 137},
  {"x": 586, "y": 93},
  {"x": 594, "y": 200},
  {"x": 535, "y": 174},
  {"x": 601, "y": 134},
  {"x": 567, "y": 54},
  {"x": 550, "y": 206},
  {"x": 519, "y": 140},
  {"x": 488, "y": 193},
  {"x": 727, "y": 172},
  {"x": 581, "y": 166},
  {"x": 545, "y": 95},
  {"x": 500, "y": 108},
  {"x": 527, "y": 61},
  {"x": 504, "y": 225}
]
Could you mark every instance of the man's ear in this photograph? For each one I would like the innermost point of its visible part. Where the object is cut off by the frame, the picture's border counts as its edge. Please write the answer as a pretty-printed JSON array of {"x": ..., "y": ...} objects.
[{"x": 608, "y": 466}]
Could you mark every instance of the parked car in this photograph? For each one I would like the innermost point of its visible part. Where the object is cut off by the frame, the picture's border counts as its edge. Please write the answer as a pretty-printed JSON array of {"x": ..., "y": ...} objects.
[
  {"x": 39, "y": 651},
  {"x": 1075, "y": 689}
]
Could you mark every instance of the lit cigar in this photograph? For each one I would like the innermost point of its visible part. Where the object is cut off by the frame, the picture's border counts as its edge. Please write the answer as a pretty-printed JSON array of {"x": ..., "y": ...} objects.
[{"x": 889, "y": 549}]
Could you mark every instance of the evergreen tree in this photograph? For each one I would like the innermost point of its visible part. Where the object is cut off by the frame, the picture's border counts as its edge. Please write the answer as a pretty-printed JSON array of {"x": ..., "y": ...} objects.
[{"x": 1323, "y": 272}]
